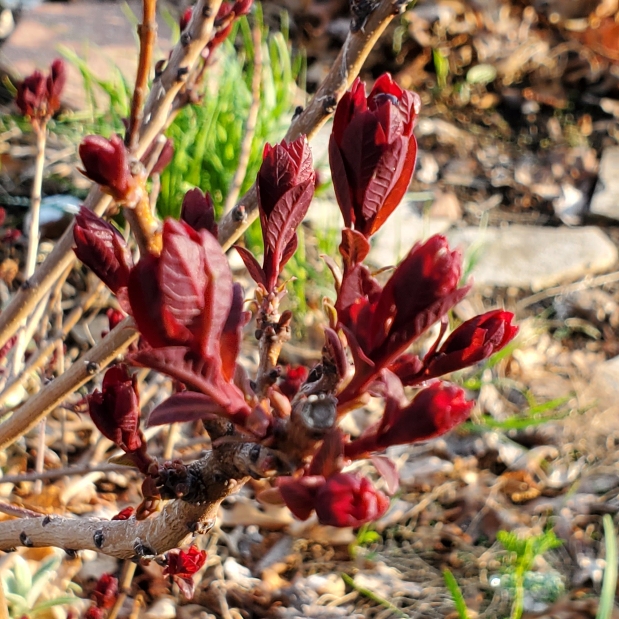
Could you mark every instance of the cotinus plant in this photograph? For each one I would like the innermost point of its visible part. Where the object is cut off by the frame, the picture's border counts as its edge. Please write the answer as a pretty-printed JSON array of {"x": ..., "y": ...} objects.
[{"x": 284, "y": 425}]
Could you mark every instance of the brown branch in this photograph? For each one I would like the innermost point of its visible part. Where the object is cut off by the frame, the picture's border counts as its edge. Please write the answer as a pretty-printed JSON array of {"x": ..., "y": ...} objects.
[
  {"x": 147, "y": 32},
  {"x": 345, "y": 69},
  {"x": 46, "y": 350},
  {"x": 252, "y": 121},
  {"x": 42, "y": 403},
  {"x": 218, "y": 474}
]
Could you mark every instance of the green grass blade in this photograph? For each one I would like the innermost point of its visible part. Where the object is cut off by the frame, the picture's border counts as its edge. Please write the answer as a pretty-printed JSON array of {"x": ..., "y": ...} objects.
[
  {"x": 373, "y": 596},
  {"x": 456, "y": 594},
  {"x": 609, "y": 585}
]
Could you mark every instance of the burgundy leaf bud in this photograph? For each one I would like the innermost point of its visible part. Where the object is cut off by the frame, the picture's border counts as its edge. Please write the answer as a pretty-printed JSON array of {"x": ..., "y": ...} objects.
[
  {"x": 299, "y": 493},
  {"x": 105, "y": 592},
  {"x": 102, "y": 248},
  {"x": 182, "y": 565},
  {"x": 184, "y": 295},
  {"x": 285, "y": 186},
  {"x": 372, "y": 152},
  {"x": 31, "y": 95},
  {"x": 106, "y": 162},
  {"x": 349, "y": 500},
  {"x": 115, "y": 410},
  {"x": 292, "y": 381},
  {"x": 55, "y": 84},
  {"x": 198, "y": 211},
  {"x": 433, "y": 412},
  {"x": 474, "y": 340}
]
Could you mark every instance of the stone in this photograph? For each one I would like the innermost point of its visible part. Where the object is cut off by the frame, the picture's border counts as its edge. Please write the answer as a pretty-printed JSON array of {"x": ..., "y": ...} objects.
[
  {"x": 98, "y": 32},
  {"x": 535, "y": 258},
  {"x": 605, "y": 200}
]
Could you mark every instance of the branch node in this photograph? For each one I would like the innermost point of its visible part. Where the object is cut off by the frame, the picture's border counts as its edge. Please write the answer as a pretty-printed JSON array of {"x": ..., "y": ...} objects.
[
  {"x": 329, "y": 103},
  {"x": 142, "y": 551},
  {"x": 297, "y": 112},
  {"x": 98, "y": 538},
  {"x": 239, "y": 214},
  {"x": 71, "y": 553},
  {"x": 25, "y": 540},
  {"x": 206, "y": 11},
  {"x": 181, "y": 74},
  {"x": 185, "y": 38},
  {"x": 46, "y": 521},
  {"x": 92, "y": 367}
]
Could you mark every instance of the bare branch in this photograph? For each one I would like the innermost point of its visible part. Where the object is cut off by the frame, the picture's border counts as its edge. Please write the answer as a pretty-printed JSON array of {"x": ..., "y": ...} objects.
[
  {"x": 252, "y": 120},
  {"x": 41, "y": 404},
  {"x": 147, "y": 32}
]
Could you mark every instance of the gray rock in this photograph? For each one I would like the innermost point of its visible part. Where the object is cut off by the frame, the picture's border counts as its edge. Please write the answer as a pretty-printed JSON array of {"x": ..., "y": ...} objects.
[
  {"x": 605, "y": 200},
  {"x": 535, "y": 258}
]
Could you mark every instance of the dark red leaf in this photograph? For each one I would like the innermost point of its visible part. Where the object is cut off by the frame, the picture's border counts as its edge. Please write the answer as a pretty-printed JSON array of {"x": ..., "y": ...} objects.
[
  {"x": 252, "y": 265},
  {"x": 185, "y": 406},
  {"x": 300, "y": 493},
  {"x": 101, "y": 247}
]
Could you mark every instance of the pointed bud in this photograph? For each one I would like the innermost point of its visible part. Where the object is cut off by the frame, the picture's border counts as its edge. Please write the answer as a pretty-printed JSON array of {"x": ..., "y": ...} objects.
[
  {"x": 106, "y": 163},
  {"x": 474, "y": 340},
  {"x": 198, "y": 211},
  {"x": 372, "y": 152},
  {"x": 115, "y": 410},
  {"x": 349, "y": 500}
]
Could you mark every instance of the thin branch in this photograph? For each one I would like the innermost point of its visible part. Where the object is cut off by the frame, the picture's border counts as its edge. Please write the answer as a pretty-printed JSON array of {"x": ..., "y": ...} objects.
[
  {"x": 61, "y": 257},
  {"x": 46, "y": 350},
  {"x": 252, "y": 121},
  {"x": 124, "y": 586},
  {"x": 18, "y": 512},
  {"x": 147, "y": 32},
  {"x": 41, "y": 404},
  {"x": 345, "y": 69},
  {"x": 40, "y": 130}
]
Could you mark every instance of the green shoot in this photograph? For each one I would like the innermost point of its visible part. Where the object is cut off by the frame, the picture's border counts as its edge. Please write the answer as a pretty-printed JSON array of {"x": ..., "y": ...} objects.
[
  {"x": 373, "y": 596},
  {"x": 609, "y": 585},
  {"x": 523, "y": 554},
  {"x": 456, "y": 594}
]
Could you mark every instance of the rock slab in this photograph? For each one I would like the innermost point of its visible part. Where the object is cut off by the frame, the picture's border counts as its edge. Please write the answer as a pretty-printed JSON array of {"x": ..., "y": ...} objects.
[
  {"x": 535, "y": 258},
  {"x": 605, "y": 200}
]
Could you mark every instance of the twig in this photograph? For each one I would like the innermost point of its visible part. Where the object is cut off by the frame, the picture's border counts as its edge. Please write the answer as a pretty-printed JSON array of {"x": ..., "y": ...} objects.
[
  {"x": 252, "y": 121},
  {"x": 60, "y": 258},
  {"x": 40, "y": 130},
  {"x": 41, "y": 404},
  {"x": 587, "y": 282},
  {"x": 345, "y": 69},
  {"x": 46, "y": 350},
  {"x": 124, "y": 586},
  {"x": 147, "y": 32},
  {"x": 18, "y": 511}
]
